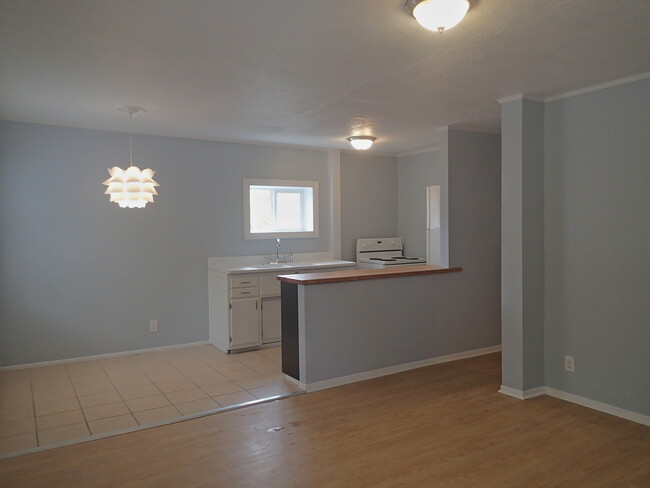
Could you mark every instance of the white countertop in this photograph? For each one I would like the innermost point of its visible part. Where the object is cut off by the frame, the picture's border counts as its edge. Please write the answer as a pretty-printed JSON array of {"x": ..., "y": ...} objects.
[
  {"x": 289, "y": 267},
  {"x": 254, "y": 264}
]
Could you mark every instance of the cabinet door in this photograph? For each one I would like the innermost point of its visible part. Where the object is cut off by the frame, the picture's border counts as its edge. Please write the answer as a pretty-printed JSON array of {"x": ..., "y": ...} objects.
[
  {"x": 271, "y": 320},
  {"x": 244, "y": 323}
]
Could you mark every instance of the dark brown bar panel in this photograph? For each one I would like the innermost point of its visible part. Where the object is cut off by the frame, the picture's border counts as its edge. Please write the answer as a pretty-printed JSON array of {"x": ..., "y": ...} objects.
[{"x": 290, "y": 356}]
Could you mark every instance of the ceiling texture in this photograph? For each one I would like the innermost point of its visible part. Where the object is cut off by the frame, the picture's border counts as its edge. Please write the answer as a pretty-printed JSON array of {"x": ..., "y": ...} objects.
[{"x": 304, "y": 72}]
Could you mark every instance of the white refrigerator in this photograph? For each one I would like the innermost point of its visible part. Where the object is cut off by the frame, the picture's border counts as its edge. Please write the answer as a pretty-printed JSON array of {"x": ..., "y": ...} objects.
[{"x": 434, "y": 246}]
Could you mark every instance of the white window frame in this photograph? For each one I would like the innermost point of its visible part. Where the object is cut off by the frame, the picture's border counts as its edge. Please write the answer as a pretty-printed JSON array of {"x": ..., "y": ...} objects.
[{"x": 248, "y": 235}]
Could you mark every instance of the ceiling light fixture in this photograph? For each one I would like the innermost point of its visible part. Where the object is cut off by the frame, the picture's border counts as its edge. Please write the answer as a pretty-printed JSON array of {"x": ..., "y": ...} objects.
[
  {"x": 131, "y": 188},
  {"x": 361, "y": 143},
  {"x": 438, "y": 15}
]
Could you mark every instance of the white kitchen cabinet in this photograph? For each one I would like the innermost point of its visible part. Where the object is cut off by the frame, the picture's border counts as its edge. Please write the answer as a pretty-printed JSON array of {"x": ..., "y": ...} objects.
[
  {"x": 235, "y": 311},
  {"x": 245, "y": 307},
  {"x": 271, "y": 320},
  {"x": 244, "y": 323}
]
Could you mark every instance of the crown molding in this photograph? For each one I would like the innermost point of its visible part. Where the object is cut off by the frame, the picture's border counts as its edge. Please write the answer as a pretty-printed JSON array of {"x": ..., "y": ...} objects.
[
  {"x": 368, "y": 152},
  {"x": 601, "y": 86},
  {"x": 521, "y": 96}
]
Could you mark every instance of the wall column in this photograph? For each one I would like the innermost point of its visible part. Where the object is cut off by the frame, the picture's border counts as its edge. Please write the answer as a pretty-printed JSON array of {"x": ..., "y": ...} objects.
[
  {"x": 334, "y": 173},
  {"x": 522, "y": 246},
  {"x": 443, "y": 138}
]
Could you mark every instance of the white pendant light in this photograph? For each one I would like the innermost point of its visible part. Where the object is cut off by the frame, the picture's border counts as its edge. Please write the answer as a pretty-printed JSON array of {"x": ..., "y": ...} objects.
[
  {"x": 361, "y": 143},
  {"x": 131, "y": 188},
  {"x": 438, "y": 15}
]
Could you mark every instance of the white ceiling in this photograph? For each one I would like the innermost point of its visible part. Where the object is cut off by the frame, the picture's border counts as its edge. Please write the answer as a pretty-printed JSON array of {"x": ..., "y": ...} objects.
[{"x": 303, "y": 72}]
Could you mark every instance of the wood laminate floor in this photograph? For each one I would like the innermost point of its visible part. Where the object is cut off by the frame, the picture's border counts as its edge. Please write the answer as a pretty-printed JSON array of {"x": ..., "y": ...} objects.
[{"x": 439, "y": 426}]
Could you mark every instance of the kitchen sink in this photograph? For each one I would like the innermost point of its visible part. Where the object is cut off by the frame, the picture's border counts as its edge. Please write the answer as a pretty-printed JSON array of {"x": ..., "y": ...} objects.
[{"x": 302, "y": 264}]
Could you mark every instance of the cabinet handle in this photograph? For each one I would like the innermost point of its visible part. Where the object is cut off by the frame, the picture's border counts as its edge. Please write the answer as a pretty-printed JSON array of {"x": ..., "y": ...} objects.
[
  {"x": 244, "y": 282},
  {"x": 245, "y": 292},
  {"x": 255, "y": 304}
]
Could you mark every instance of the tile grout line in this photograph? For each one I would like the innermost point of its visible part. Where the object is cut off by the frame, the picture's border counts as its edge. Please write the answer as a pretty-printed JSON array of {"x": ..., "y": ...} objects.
[
  {"x": 76, "y": 393},
  {"x": 122, "y": 397},
  {"x": 155, "y": 386}
]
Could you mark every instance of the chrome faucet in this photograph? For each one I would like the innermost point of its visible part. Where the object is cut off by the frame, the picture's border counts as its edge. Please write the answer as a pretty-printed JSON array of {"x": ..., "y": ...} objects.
[{"x": 279, "y": 260}]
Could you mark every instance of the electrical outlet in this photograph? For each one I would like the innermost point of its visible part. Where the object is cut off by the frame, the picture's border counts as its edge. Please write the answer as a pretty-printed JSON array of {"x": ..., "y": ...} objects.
[
  {"x": 569, "y": 364},
  {"x": 153, "y": 326}
]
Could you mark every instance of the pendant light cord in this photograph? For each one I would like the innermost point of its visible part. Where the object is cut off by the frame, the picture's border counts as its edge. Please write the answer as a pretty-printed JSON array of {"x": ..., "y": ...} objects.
[{"x": 130, "y": 135}]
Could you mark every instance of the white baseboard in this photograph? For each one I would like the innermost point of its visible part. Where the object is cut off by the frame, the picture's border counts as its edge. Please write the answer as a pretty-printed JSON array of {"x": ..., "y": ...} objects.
[
  {"x": 570, "y": 397},
  {"x": 601, "y": 407},
  {"x": 296, "y": 382},
  {"x": 101, "y": 356},
  {"x": 366, "y": 375},
  {"x": 523, "y": 394}
]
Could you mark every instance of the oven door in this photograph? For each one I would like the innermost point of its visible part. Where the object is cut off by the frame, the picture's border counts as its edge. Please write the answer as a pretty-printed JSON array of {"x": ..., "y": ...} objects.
[{"x": 369, "y": 264}]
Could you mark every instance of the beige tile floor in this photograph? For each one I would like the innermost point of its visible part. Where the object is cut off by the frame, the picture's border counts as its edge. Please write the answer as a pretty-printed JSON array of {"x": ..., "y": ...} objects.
[{"x": 51, "y": 404}]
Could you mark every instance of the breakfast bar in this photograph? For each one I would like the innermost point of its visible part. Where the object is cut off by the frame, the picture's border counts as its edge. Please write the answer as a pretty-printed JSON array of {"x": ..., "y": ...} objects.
[{"x": 343, "y": 326}]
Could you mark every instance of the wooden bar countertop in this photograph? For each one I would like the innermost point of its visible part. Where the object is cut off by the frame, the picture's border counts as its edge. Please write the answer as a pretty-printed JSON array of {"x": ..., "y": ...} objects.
[{"x": 364, "y": 274}]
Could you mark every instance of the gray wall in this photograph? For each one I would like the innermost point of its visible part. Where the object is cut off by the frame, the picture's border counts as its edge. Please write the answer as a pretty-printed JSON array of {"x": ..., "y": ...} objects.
[
  {"x": 366, "y": 331},
  {"x": 368, "y": 199},
  {"x": 438, "y": 314},
  {"x": 598, "y": 245},
  {"x": 414, "y": 173},
  {"x": 475, "y": 230},
  {"x": 80, "y": 276}
]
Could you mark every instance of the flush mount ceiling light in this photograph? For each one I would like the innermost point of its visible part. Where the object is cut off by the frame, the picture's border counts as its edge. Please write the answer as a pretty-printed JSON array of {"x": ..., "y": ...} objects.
[
  {"x": 361, "y": 142},
  {"x": 438, "y": 15},
  {"x": 131, "y": 188}
]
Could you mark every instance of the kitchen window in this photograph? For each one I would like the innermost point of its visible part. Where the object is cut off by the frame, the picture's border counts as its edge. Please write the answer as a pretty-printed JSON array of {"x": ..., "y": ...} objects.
[{"x": 280, "y": 209}]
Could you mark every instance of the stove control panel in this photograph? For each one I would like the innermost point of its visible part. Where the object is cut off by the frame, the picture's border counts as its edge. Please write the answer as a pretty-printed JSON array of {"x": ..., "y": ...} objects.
[{"x": 381, "y": 244}]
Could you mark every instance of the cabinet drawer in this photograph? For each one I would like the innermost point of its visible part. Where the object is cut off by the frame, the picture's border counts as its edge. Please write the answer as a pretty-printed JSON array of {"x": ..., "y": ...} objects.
[
  {"x": 244, "y": 292},
  {"x": 244, "y": 281},
  {"x": 269, "y": 284}
]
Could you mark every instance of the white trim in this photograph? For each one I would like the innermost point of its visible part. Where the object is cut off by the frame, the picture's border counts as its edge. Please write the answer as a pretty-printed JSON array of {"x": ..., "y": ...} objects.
[
  {"x": 570, "y": 397},
  {"x": 296, "y": 382},
  {"x": 601, "y": 86},
  {"x": 520, "y": 96},
  {"x": 419, "y": 151},
  {"x": 101, "y": 356},
  {"x": 511, "y": 98},
  {"x": 366, "y": 375},
  {"x": 315, "y": 204},
  {"x": 368, "y": 152},
  {"x": 601, "y": 407},
  {"x": 534, "y": 392},
  {"x": 522, "y": 394}
]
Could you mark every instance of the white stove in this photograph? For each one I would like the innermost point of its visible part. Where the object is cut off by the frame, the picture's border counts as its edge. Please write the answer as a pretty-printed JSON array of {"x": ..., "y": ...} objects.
[{"x": 383, "y": 253}]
